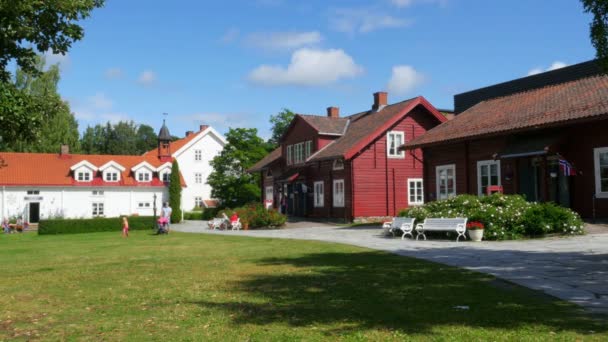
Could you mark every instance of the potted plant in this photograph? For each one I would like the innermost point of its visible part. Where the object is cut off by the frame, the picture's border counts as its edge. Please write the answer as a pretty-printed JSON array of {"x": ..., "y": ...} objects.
[{"x": 475, "y": 229}]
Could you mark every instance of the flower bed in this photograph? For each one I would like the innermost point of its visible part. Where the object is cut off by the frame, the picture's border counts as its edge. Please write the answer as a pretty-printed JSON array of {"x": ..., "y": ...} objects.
[
  {"x": 504, "y": 217},
  {"x": 256, "y": 216}
]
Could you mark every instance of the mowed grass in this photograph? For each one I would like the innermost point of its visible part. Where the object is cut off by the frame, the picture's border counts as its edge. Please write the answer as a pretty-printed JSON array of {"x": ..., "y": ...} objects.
[{"x": 201, "y": 287}]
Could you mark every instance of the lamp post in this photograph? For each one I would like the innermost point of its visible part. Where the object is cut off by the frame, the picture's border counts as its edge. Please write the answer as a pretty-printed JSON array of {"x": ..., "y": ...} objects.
[{"x": 154, "y": 210}]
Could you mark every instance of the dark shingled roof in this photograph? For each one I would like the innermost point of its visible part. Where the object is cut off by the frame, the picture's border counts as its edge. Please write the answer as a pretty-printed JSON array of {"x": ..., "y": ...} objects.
[
  {"x": 324, "y": 124},
  {"x": 164, "y": 133},
  {"x": 553, "y": 105},
  {"x": 264, "y": 162}
]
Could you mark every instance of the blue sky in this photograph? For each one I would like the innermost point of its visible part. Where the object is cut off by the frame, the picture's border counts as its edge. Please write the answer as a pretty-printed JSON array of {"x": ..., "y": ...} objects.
[{"x": 234, "y": 63}]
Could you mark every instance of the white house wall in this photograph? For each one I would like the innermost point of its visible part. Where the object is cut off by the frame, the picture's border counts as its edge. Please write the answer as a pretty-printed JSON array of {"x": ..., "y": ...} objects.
[
  {"x": 210, "y": 147},
  {"x": 76, "y": 202}
]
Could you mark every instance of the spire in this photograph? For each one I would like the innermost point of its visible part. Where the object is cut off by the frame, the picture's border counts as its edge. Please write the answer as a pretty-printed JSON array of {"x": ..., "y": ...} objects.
[{"x": 164, "y": 142}]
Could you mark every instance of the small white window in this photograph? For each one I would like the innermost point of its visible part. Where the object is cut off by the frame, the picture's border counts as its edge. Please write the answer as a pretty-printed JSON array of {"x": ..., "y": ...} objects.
[
  {"x": 198, "y": 178},
  {"x": 488, "y": 174},
  {"x": 319, "y": 194},
  {"x": 394, "y": 139},
  {"x": 143, "y": 205},
  {"x": 165, "y": 176},
  {"x": 338, "y": 164},
  {"x": 98, "y": 192},
  {"x": 446, "y": 181},
  {"x": 289, "y": 154},
  {"x": 33, "y": 192},
  {"x": 198, "y": 155},
  {"x": 415, "y": 191},
  {"x": 111, "y": 176},
  {"x": 143, "y": 176},
  {"x": 339, "y": 193},
  {"x": 83, "y": 176},
  {"x": 600, "y": 157},
  {"x": 97, "y": 209},
  {"x": 198, "y": 202},
  {"x": 269, "y": 193},
  {"x": 308, "y": 150}
]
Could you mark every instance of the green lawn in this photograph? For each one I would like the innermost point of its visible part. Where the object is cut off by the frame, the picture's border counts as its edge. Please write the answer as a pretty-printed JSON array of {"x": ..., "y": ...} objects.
[{"x": 201, "y": 287}]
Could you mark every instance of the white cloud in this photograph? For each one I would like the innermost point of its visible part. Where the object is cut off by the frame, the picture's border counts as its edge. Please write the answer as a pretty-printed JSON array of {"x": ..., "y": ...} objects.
[
  {"x": 555, "y": 65},
  {"x": 63, "y": 60},
  {"x": 100, "y": 101},
  {"x": 349, "y": 20},
  {"x": 147, "y": 77},
  {"x": 308, "y": 67},
  {"x": 97, "y": 109},
  {"x": 404, "y": 79},
  {"x": 230, "y": 36},
  {"x": 283, "y": 40},
  {"x": 114, "y": 117},
  {"x": 113, "y": 73}
]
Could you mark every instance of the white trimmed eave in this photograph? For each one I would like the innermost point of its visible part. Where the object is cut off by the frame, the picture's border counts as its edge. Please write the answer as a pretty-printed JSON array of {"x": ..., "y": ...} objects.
[
  {"x": 85, "y": 164},
  {"x": 200, "y": 135},
  {"x": 166, "y": 165},
  {"x": 113, "y": 164},
  {"x": 143, "y": 165}
]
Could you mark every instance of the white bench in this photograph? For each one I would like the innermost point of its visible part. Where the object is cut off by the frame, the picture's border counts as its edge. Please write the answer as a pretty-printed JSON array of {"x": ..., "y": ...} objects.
[
  {"x": 458, "y": 225},
  {"x": 404, "y": 224}
]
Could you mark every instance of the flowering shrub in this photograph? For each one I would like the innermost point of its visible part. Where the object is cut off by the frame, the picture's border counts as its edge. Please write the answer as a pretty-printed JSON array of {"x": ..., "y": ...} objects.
[
  {"x": 256, "y": 216},
  {"x": 505, "y": 217},
  {"x": 475, "y": 225}
]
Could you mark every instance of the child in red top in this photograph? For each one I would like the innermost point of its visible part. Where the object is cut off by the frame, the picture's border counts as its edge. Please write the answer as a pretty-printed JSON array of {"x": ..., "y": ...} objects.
[
  {"x": 234, "y": 218},
  {"x": 125, "y": 227}
]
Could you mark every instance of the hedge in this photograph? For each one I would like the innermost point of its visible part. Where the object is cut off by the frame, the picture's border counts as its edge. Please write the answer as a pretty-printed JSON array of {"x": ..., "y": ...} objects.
[
  {"x": 75, "y": 226},
  {"x": 505, "y": 217},
  {"x": 193, "y": 215}
]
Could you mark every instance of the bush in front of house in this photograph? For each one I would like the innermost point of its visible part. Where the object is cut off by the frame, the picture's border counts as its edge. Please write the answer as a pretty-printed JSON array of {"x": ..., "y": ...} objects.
[
  {"x": 98, "y": 224},
  {"x": 505, "y": 217},
  {"x": 256, "y": 216},
  {"x": 193, "y": 215}
]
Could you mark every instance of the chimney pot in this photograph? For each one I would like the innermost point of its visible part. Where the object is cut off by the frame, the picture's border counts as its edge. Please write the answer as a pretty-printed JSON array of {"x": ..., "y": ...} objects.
[
  {"x": 380, "y": 100},
  {"x": 333, "y": 112},
  {"x": 203, "y": 127},
  {"x": 64, "y": 150}
]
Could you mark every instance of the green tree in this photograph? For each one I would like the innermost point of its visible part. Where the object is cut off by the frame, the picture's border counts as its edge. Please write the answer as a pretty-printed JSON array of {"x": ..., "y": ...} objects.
[
  {"x": 49, "y": 123},
  {"x": 124, "y": 137},
  {"x": 147, "y": 139},
  {"x": 27, "y": 26},
  {"x": 230, "y": 181},
  {"x": 175, "y": 193},
  {"x": 599, "y": 28},
  {"x": 279, "y": 123},
  {"x": 94, "y": 140}
]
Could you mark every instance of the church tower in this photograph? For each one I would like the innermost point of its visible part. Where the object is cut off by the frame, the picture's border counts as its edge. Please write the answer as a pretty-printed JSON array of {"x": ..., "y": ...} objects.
[{"x": 164, "y": 143}]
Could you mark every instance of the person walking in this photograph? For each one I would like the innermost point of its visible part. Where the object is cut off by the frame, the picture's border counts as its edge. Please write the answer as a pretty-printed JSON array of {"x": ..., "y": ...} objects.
[
  {"x": 166, "y": 212},
  {"x": 125, "y": 227}
]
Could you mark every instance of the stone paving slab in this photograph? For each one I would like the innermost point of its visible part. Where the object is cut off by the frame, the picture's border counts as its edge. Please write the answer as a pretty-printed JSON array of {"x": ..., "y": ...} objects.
[{"x": 573, "y": 268}]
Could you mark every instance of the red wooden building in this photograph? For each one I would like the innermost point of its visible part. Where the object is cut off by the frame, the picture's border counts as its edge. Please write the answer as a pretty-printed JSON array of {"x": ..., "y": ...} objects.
[
  {"x": 543, "y": 136},
  {"x": 349, "y": 167}
]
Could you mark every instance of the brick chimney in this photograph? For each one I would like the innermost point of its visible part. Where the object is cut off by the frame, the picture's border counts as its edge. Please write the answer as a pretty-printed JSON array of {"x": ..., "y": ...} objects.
[
  {"x": 189, "y": 133},
  {"x": 203, "y": 127},
  {"x": 64, "y": 151},
  {"x": 333, "y": 112},
  {"x": 380, "y": 100}
]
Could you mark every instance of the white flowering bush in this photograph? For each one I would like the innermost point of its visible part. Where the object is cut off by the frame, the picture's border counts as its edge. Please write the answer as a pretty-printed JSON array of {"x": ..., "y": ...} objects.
[{"x": 505, "y": 217}]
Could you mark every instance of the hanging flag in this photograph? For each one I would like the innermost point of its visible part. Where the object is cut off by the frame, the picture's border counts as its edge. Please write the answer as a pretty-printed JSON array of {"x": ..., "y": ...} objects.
[{"x": 567, "y": 168}]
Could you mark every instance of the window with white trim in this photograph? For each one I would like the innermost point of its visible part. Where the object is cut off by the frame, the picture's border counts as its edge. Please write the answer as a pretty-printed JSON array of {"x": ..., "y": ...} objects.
[
  {"x": 198, "y": 202},
  {"x": 143, "y": 205},
  {"x": 299, "y": 153},
  {"x": 143, "y": 176},
  {"x": 338, "y": 164},
  {"x": 269, "y": 193},
  {"x": 97, "y": 209},
  {"x": 415, "y": 189},
  {"x": 110, "y": 176},
  {"x": 97, "y": 192},
  {"x": 166, "y": 176},
  {"x": 339, "y": 193},
  {"x": 308, "y": 149},
  {"x": 488, "y": 174},
  {"x": 319, "y": 194},
  {"x": 198, "y": 155},
  {"x": 33, "y": 192},
  {"x": 83, "y": 176},
  {"x": 198, "y": 178},
  {"x": 394, "y": 139},
  {"x": 289, "y": 154},
  {"x": 600, "y": 158},
  {"x": 446, "y": 181}
]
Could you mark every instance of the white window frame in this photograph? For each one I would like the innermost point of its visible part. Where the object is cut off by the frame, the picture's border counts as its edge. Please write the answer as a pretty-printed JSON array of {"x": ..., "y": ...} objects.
[
  {"x": 33, "y": 192},
  {"x": 97, "y": 209},
  {"x": 198, "y": 178},
  {"x": 144, "y": 176},
  {"x": 438, "y": 170},
  {"x": 307, "y": 149},
  {"x": 338, "y": 164},
  {"x": 319, "y": 194},
  {"x": 598, "y": 176},
  {"x": 86, "y": 176},
  {"x": 414, "y": 181},
  {"x": 143, "y": 205},
  {"x": 97, "y": 193},
  {"x": 337, "y": 195},
  {"x": 391, "y": 136},
  {"x": 269, "y": 190},
  {"x": 487, "y": 163},
  {"x": 289, "y": 154},
  {"x": 165, "y": 176},
  {"x": 111, "y": 176},
  {"x": 198, "y": 155},
  {"x": 198, "y": 202}
]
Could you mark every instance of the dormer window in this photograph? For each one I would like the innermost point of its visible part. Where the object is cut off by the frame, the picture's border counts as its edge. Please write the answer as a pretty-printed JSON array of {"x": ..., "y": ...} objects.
[
  {"x": 164, "y": 172},
  {"x": 143, "y": 176},
  {"x": 83, "y": 171},
  {"x": 83, "y": 176},
  {"x": 165, "y": 176},
  {"x": 143, "y": 171},
  {"x": 111, "y": 171},
  {"x": 110, "y": 176}
]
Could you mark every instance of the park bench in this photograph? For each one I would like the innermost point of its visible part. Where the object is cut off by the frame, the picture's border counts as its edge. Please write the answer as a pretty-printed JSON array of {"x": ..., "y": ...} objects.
[
  {"x": 404, "y": 224},
  {"x": 458, "y": 225},
  {"x": 216, "y": 223}
]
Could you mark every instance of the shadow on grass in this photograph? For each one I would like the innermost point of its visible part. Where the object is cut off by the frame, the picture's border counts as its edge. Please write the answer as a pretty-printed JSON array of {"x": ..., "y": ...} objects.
[{"x": 373, "y": 290}]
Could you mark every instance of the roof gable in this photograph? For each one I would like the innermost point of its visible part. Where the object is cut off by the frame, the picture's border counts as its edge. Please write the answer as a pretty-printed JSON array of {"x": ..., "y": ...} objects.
[
  {"x": 143, "y": 164},
  {"x": 113, "y": 164},
  {"x": 166, "y": 165},
  {"x": 85, "y": 164}
]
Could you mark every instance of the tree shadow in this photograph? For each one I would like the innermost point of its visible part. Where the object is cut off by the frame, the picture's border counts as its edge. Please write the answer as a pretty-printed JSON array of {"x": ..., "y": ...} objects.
[{"x": 375, "y": 290}]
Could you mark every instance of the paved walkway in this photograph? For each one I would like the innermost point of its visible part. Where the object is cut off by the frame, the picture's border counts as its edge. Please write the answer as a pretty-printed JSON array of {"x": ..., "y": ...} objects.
[{"x": 574, "y": 269}]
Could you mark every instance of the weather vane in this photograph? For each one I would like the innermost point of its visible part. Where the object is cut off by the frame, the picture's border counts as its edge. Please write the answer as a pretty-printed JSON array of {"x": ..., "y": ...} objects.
[{"x": 165, "y": 116}]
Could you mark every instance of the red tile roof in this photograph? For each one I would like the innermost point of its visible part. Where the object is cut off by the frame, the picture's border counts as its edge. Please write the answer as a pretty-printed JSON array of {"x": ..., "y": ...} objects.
[
  {"x": 211, "y": 203},
  {"x": 553, "y": 105},
  {"x": 49, "y": 169}
]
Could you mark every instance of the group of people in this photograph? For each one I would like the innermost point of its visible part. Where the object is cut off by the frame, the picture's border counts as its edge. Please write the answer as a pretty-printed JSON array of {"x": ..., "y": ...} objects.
[
  {"x": 164, "y": 221},
  {"x": 18, "y": 226}
]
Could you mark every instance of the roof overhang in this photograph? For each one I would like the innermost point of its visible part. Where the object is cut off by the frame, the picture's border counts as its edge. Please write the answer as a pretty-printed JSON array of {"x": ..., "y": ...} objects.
[
  {"x": 85, "y": 164},
  {"x": 113, "y": 164},
  {"x": 519, "y": 146},
  {"x": 143, "y": 164},
  {"x": 166, "y": 165}
]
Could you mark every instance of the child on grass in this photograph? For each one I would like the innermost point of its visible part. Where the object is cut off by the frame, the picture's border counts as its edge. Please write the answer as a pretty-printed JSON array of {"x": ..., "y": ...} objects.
[{"x": 125, "y": 227}]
